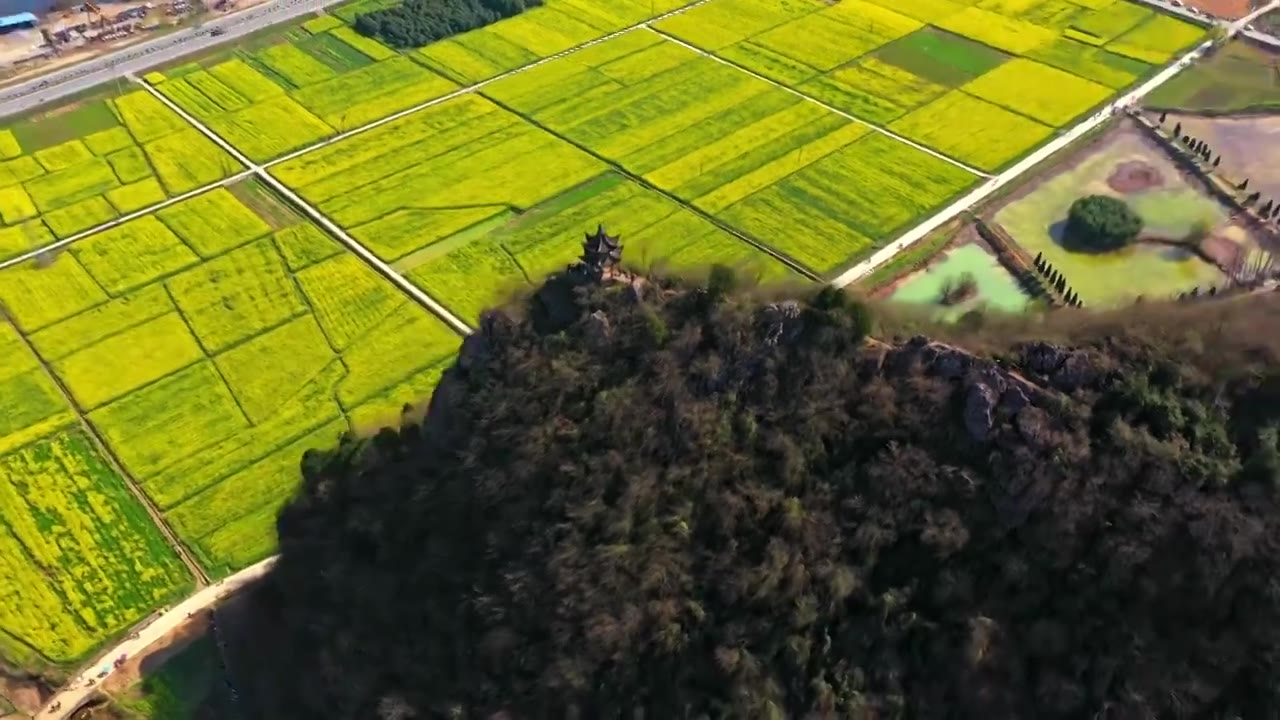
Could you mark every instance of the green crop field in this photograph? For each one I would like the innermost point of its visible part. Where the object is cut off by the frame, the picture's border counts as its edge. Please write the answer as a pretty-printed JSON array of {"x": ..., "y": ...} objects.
[
  {"x": 209, "y": 351},
  {"x": 1240, "y": 77}
]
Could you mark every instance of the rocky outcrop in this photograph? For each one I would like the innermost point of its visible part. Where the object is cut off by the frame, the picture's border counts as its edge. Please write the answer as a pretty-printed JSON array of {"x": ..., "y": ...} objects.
[
  {"x": 1064, "y": 369},
  {"x": 993, "y": 394},
  {"x": 781, "y": 322}
]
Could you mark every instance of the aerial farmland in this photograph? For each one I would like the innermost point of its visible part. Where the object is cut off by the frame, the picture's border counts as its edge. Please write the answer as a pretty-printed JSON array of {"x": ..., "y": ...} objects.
[{"x": 225, "y": 261}]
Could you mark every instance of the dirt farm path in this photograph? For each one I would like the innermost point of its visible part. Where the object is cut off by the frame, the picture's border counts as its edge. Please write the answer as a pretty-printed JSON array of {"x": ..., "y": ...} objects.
[{"x": 78, "y": 691}]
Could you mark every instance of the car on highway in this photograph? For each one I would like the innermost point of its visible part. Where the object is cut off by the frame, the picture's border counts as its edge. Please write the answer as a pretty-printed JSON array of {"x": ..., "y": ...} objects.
[{"x": 217, "y": 31}]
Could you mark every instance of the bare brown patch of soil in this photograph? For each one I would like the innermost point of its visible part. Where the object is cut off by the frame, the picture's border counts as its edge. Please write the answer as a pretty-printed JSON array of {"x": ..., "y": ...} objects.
[
  {"x": 1224, "y": 253},
  {"x": 26, "y": 695},
  {"x": 1134, "y": 176}
]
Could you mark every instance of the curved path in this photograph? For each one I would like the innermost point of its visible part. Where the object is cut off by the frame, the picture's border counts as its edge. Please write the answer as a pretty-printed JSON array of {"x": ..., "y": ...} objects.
[
  {"x": 78, "y": 691},
  {"x": 77, "y": 78}
]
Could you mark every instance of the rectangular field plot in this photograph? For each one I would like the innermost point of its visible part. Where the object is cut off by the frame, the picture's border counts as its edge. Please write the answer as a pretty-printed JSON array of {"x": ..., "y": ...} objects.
[
  {"x": 209, "y": 373},
  {"x": 973, "y": 131},
  {"x": 535, "y": 34},
  {"x": 81, "y": 558},
  {"x": 420, "y": 179},
  {"x": 78, "y": 166},
  {"x": 1037, "y": 91},
  {"x": 832, "y": 37},
  {"x": 1157, "y": 40},
  {"x": 480, "y": 266},
  {"x": 296, "y": 92},
  {"x": 844, "y": 206},
  {"x": 720, "y": 23},
  {"x": 31, "y": 405}
]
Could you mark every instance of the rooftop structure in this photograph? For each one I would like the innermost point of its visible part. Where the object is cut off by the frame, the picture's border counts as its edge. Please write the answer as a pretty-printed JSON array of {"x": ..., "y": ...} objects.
[{"x": 601, "y": 253}]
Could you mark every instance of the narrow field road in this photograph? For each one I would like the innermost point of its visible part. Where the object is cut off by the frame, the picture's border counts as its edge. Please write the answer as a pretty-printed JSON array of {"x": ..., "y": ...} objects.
[
  {"x": 258, "y": 170},
  {"x": 79, "y": 691},
  {"x": 990, "y": 187}
]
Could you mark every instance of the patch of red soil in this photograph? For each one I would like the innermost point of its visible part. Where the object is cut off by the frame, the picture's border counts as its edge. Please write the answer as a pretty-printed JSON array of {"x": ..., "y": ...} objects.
[
  {"x": 1230, "y": 9},
  {"x": 1134, "y": 176},
  {"x": 1223, "y": 252}
]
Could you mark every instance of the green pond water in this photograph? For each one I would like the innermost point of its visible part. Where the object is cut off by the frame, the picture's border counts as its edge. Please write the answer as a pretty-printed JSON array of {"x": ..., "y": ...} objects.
[{"x": 997, "y": 290}]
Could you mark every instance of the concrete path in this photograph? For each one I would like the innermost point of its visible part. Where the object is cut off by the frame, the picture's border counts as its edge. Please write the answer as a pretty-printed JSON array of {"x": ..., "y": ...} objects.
[
  {"x": 258, "y": 170},
  {"x": 78, "y": 691},
  {"x": 988, "y": 188}
]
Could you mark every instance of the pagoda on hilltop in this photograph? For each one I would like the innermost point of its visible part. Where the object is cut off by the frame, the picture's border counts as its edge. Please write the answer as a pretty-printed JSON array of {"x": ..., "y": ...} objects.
[{"x": 601, "y": 253}]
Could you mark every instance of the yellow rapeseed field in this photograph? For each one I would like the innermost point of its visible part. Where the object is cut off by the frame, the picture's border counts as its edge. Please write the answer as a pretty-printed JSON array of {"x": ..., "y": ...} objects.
[
  {"x": 135, "y": 196},
  {"x": 236, "y": 295},
  {"x": 131, "y": 255},
  {"x": 146, "y": 117},
  {"x": 275, "y": 366},
  {"x": 1052, "y": 96},
  {"x": 974, "y": 131},
  {"x": 128, "y": 360},
  {"x": 81, "y": 216},
  {"x": 16, "y": 205},
  {"x": 80, "y": 557},
  {"x": 63, "y": 155},
  {"x": 64, "y": 338},
  {"x": 1005, "y": 33},
  {"x": 36, "y": 297}
]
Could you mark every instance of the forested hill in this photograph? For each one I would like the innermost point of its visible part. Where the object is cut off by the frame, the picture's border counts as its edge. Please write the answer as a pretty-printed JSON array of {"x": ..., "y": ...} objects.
[{"x": 646, "y": 502}]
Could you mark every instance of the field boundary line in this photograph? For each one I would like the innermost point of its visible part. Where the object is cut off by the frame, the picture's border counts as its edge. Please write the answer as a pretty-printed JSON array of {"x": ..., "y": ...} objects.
[
  {"x": 466, "y": 90},
  {"x": 58, "y": 245},
  {"x": 613, "y": 166},
  {"x": 1080, "y": 130},
  {"x": 829, "y": 108},
  {"x": 320, "y": 218},
  {"x": 108, "y": 455},
  {"x": 258, "y": 170}
]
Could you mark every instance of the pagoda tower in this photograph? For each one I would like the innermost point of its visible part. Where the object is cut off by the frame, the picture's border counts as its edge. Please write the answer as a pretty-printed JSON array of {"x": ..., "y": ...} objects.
[{"x": 601, "y": 254}]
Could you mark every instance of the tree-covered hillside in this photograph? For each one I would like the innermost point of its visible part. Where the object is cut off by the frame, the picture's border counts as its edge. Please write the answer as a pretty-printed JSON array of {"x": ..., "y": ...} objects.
[{"x": 637, "y": 501}]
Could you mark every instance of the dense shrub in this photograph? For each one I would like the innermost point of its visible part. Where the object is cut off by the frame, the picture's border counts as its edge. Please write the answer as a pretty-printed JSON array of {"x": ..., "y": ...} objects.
[
  {"x": 419, "y": 22},
  {"x": 1101, "y": 223}
]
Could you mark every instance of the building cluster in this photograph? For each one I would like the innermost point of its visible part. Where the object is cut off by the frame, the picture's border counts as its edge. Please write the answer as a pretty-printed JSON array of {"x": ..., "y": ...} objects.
[{"x": 25, "y": 37}]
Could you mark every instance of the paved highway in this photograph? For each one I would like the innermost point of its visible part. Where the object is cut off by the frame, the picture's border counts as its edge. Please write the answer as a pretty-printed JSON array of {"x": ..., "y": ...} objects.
[{"x": 136, "y": 58}]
